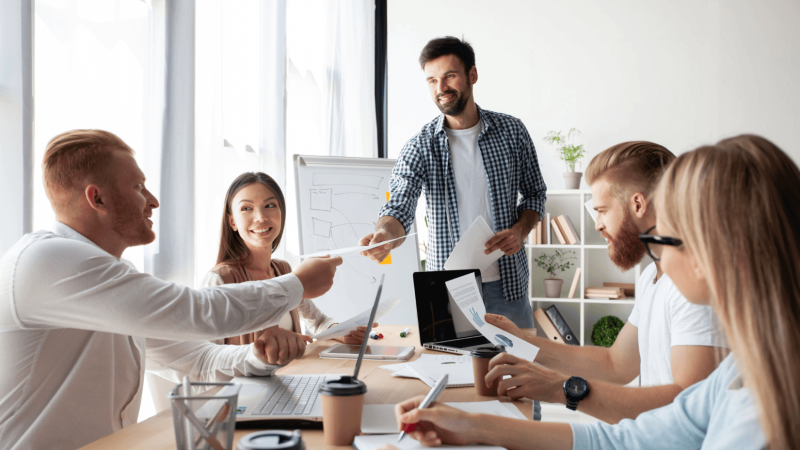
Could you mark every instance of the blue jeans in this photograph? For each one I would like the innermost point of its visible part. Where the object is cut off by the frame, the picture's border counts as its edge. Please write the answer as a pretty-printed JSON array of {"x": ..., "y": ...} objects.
[{"x": 519, "y": 311}]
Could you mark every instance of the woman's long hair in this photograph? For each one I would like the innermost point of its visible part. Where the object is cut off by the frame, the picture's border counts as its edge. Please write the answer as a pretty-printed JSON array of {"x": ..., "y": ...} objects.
[
  {"x": 736, "y": 206},
  {"x": 232, "y": 249}
]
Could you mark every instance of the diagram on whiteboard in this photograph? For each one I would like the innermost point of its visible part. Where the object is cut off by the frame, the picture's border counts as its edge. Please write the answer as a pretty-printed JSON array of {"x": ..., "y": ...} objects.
[
  {"x": 337, "y": 207},
  {"x": 338, "y": 216}
]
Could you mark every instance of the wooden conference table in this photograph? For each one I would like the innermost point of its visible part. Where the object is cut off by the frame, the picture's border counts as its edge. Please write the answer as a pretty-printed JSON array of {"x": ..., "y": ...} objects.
[{"x": 157, "y": 433}]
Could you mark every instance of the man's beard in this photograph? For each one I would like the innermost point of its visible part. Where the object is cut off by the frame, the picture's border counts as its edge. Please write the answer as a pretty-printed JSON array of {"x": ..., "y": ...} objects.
[
  {"x": 456, "y": 107},
  {"x": 626, "y": 249},
  {"x": 129, "y": 222}
]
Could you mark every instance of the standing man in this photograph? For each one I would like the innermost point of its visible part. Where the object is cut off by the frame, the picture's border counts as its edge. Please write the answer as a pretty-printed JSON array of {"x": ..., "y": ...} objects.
[{"x": 471, "y": 162}]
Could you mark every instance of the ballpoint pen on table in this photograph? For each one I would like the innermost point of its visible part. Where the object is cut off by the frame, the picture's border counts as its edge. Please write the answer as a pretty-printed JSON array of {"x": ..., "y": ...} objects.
[{"x": 433, "y": 394}]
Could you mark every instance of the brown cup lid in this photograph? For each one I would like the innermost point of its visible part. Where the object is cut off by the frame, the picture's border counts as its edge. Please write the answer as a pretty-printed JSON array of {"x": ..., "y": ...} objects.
[
  {"x": 487, "y": 352},
  {"x": 343, "y": 387}
]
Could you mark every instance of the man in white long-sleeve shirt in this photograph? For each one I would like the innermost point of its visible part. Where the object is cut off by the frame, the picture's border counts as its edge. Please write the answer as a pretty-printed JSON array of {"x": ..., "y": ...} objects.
[{"x": 77, "y": 322}]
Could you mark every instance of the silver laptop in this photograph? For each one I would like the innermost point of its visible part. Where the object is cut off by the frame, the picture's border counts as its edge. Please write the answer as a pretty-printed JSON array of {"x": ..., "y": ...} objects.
[
  {"x": 290, "y": 399},
  {"x": 442, "y": 325}
]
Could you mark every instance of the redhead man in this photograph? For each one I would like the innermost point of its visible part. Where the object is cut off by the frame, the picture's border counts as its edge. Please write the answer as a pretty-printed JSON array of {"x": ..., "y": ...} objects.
[
  {"x": 668, "y": 342},
  {"x": 77, "y": 322}
]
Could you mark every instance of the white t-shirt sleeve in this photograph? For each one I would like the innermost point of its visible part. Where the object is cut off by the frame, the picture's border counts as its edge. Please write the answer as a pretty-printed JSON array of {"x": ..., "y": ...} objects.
[{"x": 692, "y": 324}]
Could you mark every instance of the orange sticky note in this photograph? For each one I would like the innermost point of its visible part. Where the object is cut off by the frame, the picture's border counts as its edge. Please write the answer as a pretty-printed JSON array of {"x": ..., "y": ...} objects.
[
  {"x": 387, "y": 260},
  {"x": 387, "y": 196}
]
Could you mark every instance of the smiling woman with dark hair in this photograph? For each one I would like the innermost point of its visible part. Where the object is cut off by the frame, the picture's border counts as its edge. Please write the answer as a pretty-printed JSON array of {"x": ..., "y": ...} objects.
[{"x": 253, "y": 218}]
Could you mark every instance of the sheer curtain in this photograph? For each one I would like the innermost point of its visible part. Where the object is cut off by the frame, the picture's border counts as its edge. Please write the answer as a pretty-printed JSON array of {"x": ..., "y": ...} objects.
[{"x": 330, "y": 87}]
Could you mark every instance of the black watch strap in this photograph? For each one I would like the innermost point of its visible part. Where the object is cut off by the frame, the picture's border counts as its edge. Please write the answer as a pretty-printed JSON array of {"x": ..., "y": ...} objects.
[{"x": 572, "y": 404}]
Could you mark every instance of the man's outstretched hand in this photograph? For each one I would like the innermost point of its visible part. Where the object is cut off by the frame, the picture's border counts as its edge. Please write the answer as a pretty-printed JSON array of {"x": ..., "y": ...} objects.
[
  {"x": 278, "y": 346},
  {"x": 316, "y": 274}
]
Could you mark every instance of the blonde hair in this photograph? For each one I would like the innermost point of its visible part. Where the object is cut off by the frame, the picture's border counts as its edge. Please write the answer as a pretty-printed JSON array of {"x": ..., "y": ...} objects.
[
  {"x": 630, "y": 167},
  {"x": 736, "y": 207},
  {"x": 75, "y": 157}
]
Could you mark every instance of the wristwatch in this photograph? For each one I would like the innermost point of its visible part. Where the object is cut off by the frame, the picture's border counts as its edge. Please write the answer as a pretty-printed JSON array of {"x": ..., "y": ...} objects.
[{"x": 576, "y": 389}]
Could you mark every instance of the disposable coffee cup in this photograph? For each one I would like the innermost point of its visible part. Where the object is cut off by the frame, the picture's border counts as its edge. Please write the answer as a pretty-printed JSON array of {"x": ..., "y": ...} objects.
[
  {"x": 480, "y": 367},
  {"x": 342, "y": 404}
]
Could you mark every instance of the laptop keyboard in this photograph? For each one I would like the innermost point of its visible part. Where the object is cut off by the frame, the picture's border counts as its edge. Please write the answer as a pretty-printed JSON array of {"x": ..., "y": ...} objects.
[{"x": 295, "y": 396}]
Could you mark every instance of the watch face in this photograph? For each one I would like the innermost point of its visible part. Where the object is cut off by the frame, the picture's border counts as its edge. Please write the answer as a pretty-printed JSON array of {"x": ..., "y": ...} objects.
[{"x": 576, "y": 386}]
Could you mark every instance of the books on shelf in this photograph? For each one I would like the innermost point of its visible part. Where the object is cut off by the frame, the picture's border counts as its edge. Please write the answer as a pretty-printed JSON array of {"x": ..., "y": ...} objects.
[
  {"x": 540, "y": 234},
  {"x": 554, "y": 325},
  {"x": 629, "y": 288},
  {"x": 574, "y": 283},
  {"x": 565, "y": 231},
  {"x": 615, "y": 293}
]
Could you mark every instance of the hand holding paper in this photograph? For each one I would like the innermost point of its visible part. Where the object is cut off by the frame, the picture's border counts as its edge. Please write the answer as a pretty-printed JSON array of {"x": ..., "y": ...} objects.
[
  {"x": 470, "y": 251},
  {"x": 468, "y": 298},
  {"x": 361, "y": 319}
]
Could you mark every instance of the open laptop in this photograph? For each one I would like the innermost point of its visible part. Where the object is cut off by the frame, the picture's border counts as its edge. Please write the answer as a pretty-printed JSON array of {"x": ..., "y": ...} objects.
[
  {"x": 290, "y": 400},
  {"x": 442, "y": 325}
]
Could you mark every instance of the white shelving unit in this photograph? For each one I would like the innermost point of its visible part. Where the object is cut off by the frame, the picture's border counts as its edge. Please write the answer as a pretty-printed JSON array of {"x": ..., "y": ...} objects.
[{"x": 596, "y": 267}]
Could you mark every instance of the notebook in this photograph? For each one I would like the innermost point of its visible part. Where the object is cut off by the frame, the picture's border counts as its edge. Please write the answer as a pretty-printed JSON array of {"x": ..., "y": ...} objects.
[
  {"x": 376, "y": 441},
  {"x": 459, "y": 375}
]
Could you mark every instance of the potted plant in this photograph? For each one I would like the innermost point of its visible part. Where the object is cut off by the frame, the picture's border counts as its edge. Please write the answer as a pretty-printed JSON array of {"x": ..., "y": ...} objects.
[
  {"x": 606, "y": 330},
  {"x": 558, "y": 261},
  {"x": 569, "y": 153}
]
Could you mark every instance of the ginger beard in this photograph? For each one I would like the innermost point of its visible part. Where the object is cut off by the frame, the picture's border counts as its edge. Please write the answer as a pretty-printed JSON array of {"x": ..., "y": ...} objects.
[
  {"x": 626, "y": 249},
  {"x": 130, "y": 222}
]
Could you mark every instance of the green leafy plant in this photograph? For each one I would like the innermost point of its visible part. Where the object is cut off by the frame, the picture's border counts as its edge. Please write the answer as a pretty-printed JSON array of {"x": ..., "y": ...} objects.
[
  {"x": 559, "y": 260},
  {"x": 606, "y": 330},
  {"x": 567, "y": 150}
]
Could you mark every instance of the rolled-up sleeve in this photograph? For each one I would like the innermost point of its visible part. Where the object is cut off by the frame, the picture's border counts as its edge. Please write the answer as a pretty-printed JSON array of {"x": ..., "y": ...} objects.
[
  {"x": 64, "y": 283},
  {"x": 405, "y": 185},
  {"x": 204, "y": 361},
  {"x": 532, "y": 186}
]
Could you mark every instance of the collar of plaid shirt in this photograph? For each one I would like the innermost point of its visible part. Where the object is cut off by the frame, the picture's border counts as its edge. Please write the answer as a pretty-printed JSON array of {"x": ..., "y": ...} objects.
[{"x": 512, "y": 170}]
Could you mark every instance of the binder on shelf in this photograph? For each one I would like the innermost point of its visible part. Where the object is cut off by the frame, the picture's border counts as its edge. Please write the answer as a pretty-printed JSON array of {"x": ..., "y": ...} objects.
[
  {"x": 557, "y": 231},
  {"x": 554, "y": 325}
]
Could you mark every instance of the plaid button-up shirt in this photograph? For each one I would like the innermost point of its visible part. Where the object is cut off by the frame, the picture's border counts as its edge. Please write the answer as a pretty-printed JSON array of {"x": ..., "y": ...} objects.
[{"x": 511, "y": 166}]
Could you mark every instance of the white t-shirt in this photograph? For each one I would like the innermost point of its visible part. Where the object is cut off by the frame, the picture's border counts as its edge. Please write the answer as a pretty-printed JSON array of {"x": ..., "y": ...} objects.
[
  {"x": 472, "y": 189},
  {"x": 664, "y": 319}
]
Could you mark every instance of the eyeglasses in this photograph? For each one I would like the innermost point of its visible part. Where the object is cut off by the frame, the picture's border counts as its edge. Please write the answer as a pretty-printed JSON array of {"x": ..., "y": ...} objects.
[{"x": 651, "y": 239}]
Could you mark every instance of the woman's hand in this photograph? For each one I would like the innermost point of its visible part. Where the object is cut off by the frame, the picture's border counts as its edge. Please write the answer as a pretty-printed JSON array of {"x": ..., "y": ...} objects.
[
  {"x": 278, "y": 346},
  {"x": 356, "y": 337},
  {"x": 527, "y": 379},
  {"x": 437, "y": 424}
]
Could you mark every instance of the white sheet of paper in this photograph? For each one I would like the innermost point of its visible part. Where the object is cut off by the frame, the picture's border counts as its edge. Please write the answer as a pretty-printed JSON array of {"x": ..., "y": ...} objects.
[
  {"x": 380, "y": 419},
  {"x": 467, "y": 296},
  {"x": 469, "y": 252},
  {"x": 346, "y": 250},
  {"x": 458, "y": 375},
  {"x": 359, "y": 320}
]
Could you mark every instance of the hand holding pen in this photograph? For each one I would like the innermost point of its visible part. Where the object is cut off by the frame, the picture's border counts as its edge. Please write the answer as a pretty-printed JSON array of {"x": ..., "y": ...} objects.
[{"x": 433, "y": 423}]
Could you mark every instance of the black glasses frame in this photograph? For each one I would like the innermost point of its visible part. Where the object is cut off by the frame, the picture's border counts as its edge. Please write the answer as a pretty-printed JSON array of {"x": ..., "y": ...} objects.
[{"x": 660, "y": 240}]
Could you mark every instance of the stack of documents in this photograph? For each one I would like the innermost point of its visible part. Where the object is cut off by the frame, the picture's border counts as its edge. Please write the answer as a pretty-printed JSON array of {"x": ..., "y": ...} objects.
[
  {"x": 430, "y": 368},
  {"x": 359, "y": 320}
]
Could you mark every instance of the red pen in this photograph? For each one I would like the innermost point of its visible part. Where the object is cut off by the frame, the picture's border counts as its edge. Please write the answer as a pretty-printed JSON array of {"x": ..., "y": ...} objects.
[{"x": 433, "y": 394}]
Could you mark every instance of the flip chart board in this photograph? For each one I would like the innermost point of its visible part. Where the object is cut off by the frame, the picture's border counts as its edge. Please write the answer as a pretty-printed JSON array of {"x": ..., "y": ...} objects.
[{"x": 338, "y": 202}]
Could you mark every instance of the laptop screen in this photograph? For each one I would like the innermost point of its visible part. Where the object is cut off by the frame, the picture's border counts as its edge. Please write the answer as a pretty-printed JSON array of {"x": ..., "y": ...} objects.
[{"x": 440, "y": 319}]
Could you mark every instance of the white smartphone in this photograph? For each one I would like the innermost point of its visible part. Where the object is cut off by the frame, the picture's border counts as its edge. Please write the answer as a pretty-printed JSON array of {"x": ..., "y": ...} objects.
[{"x": 379, "y": 352}]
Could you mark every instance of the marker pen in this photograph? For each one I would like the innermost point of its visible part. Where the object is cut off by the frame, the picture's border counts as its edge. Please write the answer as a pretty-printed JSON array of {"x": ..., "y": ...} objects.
[{"x": 405, "y": 332}]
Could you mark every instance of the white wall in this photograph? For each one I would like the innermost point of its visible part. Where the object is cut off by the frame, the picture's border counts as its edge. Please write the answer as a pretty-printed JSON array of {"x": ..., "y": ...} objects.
[{"x": 680, "y": 73}]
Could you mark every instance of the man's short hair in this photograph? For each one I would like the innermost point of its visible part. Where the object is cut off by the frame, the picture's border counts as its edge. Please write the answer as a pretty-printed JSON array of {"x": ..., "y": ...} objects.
[
  {"x": 630, "y": 167},
  {"x": 77, "y": 156},
  {"x": 448, "y": 45}
]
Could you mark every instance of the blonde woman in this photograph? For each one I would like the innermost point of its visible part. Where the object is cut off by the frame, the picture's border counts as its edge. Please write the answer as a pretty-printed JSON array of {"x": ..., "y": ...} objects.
[
  {"x": 726, "y": 233},
  {"x": 253, "y": 218}
]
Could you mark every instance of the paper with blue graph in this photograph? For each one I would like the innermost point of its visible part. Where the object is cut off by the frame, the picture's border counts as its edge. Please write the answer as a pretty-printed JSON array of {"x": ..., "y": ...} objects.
[{"x": 467, "y": 296}]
